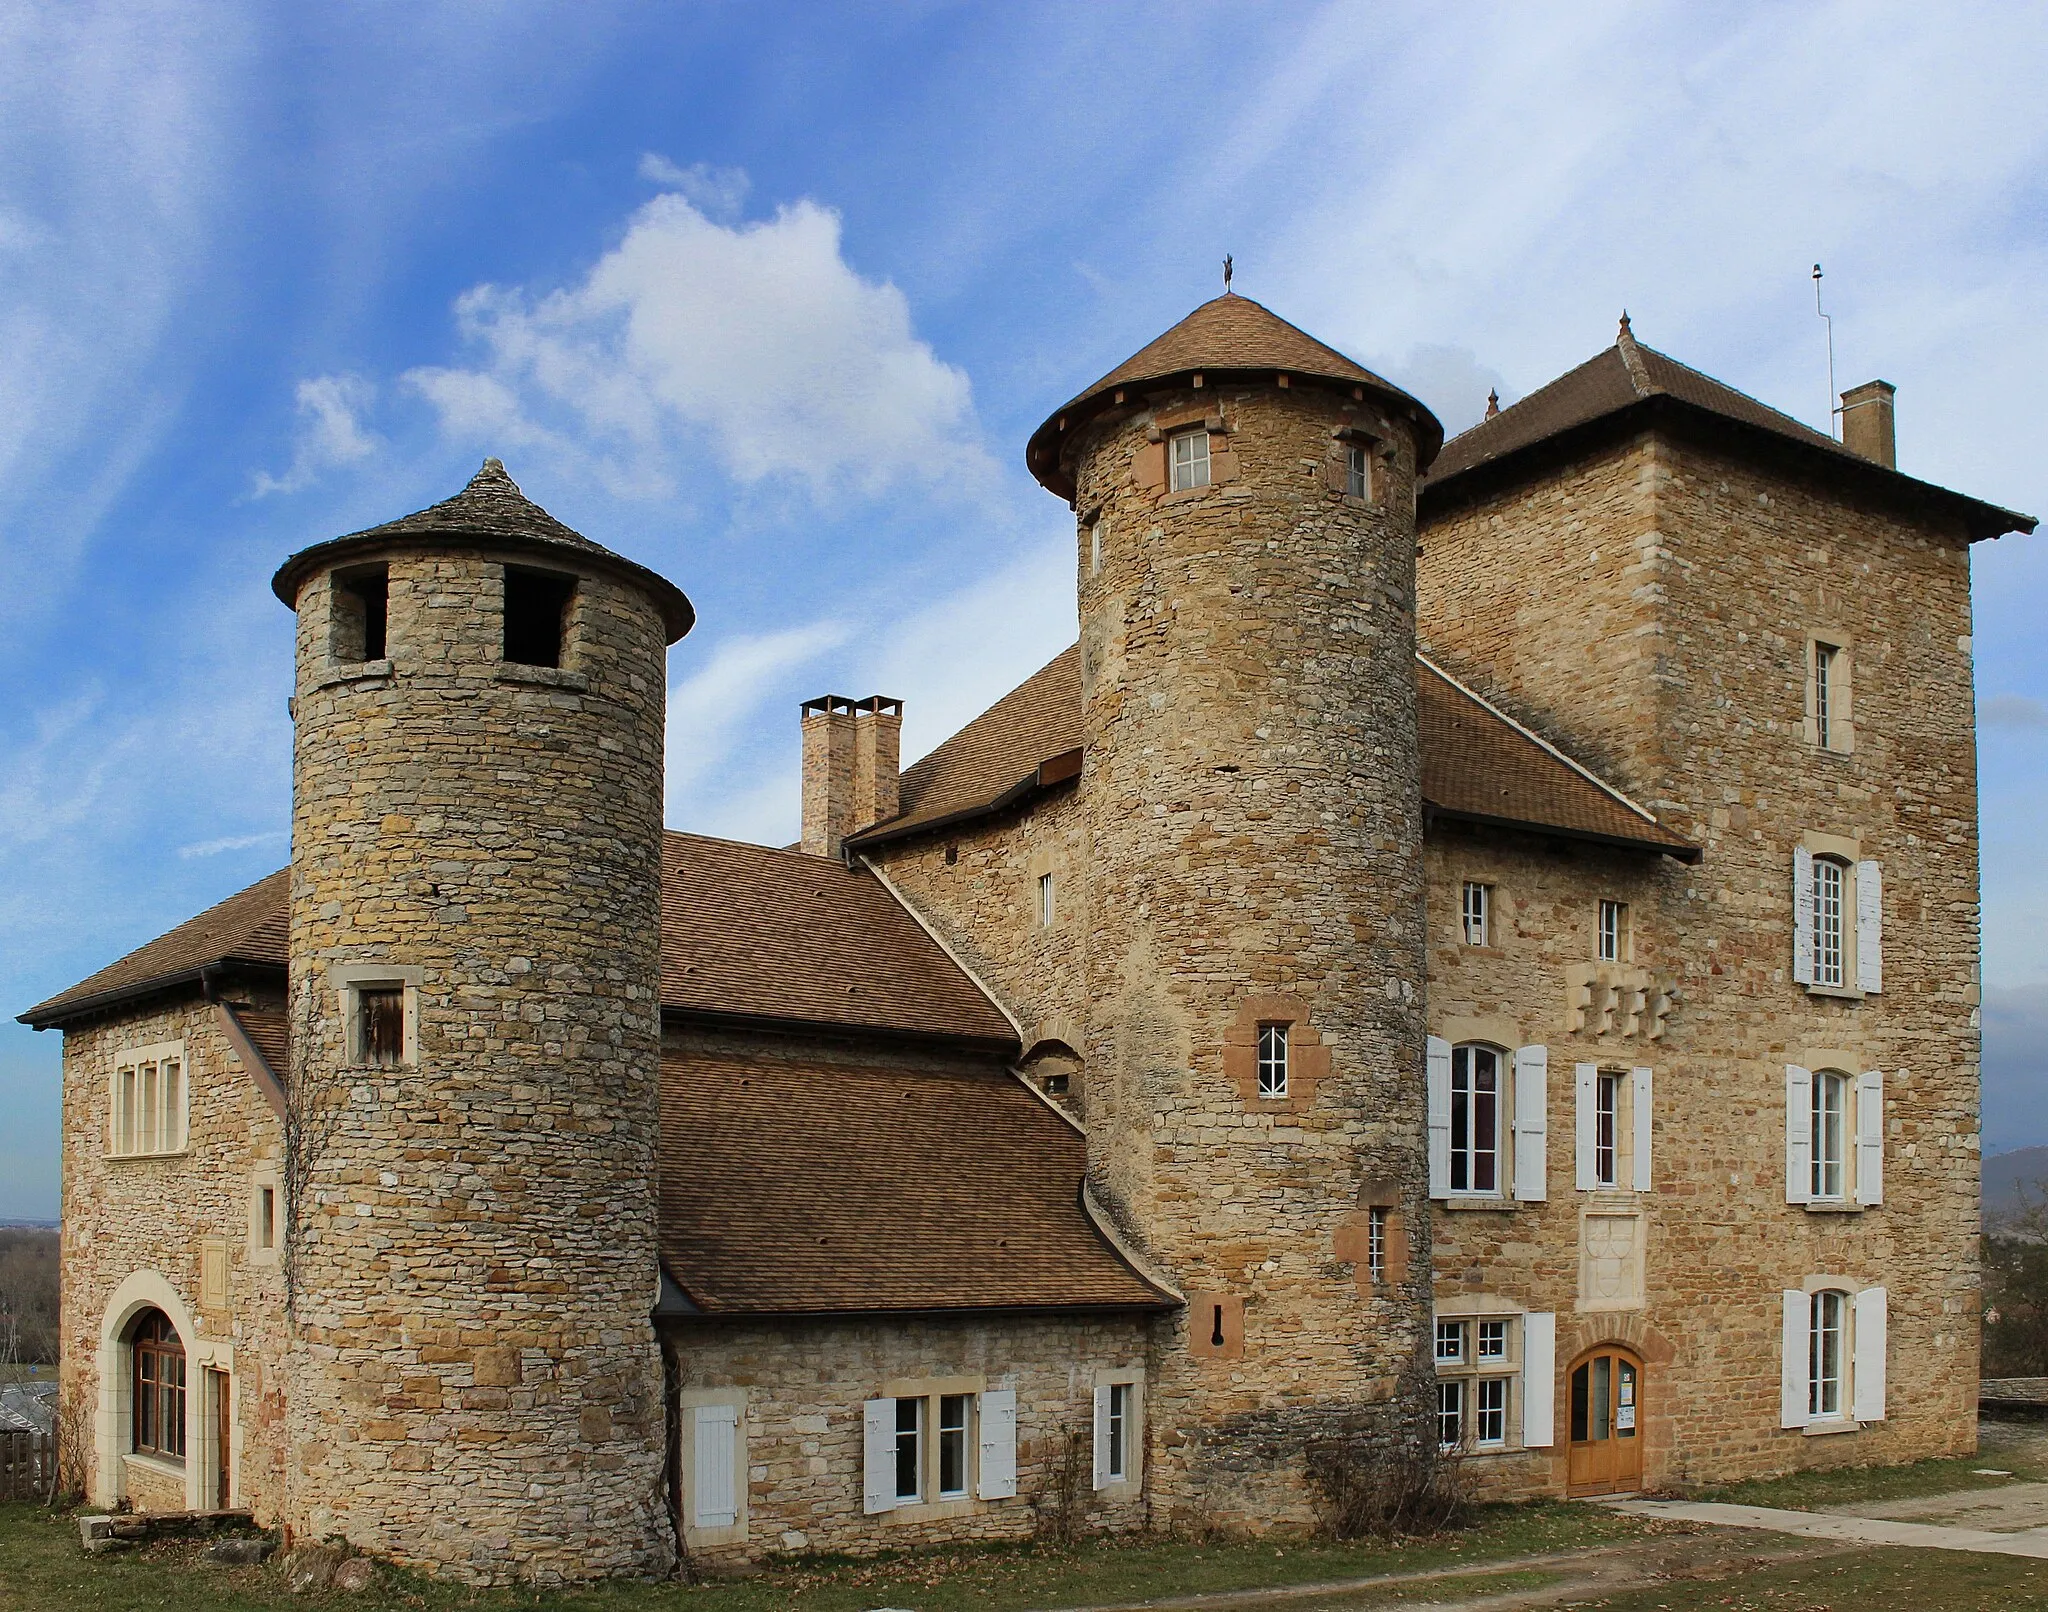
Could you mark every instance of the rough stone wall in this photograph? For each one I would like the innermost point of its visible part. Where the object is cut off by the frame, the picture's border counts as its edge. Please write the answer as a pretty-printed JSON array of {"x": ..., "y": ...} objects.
[
  {"x": 478, "y": 1384},
  {"x": 153, "y": 1216},
  {"x": 1723, "y": 568},
  {"x": 806, "y": 1382},
  {"x": 1251, "y": 801}
]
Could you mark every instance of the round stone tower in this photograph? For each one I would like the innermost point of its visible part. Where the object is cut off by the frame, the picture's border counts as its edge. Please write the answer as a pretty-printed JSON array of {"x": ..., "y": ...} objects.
[
  {"x": 475, "y": 1043},
  {"x": 1255, "y": 1095}
]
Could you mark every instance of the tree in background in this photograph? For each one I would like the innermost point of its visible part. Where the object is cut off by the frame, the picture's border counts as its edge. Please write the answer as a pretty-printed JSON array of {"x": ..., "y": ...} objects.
[
  {"x": 28, "y": 1296},
  {"x": 2016, "y": 1289}
]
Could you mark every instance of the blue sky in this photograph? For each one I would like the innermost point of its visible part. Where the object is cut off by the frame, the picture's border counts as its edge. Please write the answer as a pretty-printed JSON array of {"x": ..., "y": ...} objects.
[{"x": 769, "y": 296}]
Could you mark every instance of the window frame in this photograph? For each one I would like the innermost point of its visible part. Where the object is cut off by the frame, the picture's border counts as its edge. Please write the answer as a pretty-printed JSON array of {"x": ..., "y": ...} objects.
[
  {"x": 137, "y": 1082},
  {"x": 158, "y": 1390},
  {"x": 1820, "y": 1114},
  {"x": 1475, "y": 914},
  {"x": 1273, "y": 1061},
  {"x": 1047, "y": 908},
  {"x": 1476, "y": 1374},
  {"x": 1830, "y": 720},
  {"x": 1821, "y": 1337},
  {"x": 689, "y": 1402},
  {"x": 1826, "y": 867},
  {"x": 1198, "y": 465},
  {"x": 1608, "y": 1085},
  {"x": 915, "y": 1434},
  {"x": 1378, "y": 1222},
  {"x": 350, "y": 981},
  {"x": 1468, "y": 1106},
  {"x": 1612, "y": 941},
  {"x": 1358, "y": 471},
  {"x": 961, "y": 1437}
]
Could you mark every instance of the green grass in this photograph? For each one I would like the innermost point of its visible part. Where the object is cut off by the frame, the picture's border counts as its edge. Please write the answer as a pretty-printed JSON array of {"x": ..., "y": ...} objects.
[
  {"x": 1834, "y": 1486},
  {"x": 41, "y": 1566},
  {"x": 1865, "y": 1581}
]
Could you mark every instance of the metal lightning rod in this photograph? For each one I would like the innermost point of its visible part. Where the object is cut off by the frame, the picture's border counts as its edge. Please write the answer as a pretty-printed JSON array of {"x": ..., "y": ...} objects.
[{"x": 1834, "y": 409}]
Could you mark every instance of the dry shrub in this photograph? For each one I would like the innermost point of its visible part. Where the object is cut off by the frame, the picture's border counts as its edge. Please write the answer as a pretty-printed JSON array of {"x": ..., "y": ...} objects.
[
  {"x": 1371, "y": 1487},
  {"x": 1060, "y": 1498}
]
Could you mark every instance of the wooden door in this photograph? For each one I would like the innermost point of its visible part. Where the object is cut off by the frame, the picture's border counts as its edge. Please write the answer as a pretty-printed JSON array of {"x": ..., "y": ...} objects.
[
  {"x": 1606, "y": 1449},
  {"x": 217, "y": 1398}
]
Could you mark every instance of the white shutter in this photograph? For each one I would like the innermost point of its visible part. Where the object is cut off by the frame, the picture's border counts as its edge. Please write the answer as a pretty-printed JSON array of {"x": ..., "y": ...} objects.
[
  {"x": 714, "y": 1465},
  {"x": 998, "y": 1444},
  {"x": 878, "y": 1465},
  {"x": 1870, "y": 1137},
  {"x": 1532, "y": 1137},
  {"x": 1439, "y": 1074},
  {"x": 1792, "y": 1372},
  {"x": 1798, "y": 1134},
  {"x": 1588, "y": 1134},
  {"x": 1869, "y": 1385},
  {"x": 1639, "y": 1103},
  {"x": 1802, "y": 915},
  {"x": 1539, "y": 1379},
  {"x": 1102, "y": 1477},
  {"x": 1869, "y": 928}
]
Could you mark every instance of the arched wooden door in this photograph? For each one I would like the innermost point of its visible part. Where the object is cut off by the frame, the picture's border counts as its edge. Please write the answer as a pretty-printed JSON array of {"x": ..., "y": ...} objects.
[{"x": 1606, "y": 1396}]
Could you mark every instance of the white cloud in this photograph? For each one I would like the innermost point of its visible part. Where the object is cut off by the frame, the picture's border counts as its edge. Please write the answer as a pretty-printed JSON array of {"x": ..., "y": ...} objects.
[
  {"x": 330, "y": 432},
  {"x": 757, "y": 340},
  {"x": 719, "y": 192},
  {"x": 2011, "y": 711},
  {"x": 234, "y": 842}
]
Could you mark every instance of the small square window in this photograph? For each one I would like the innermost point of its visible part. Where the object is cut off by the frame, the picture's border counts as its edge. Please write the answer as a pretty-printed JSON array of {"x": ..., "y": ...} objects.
[
  {"x": 1272, "y": 1060},
  {"x": 536, "y": 616},
  {"x": 1190, "y": 459},
  {"x": 1450, "y": 1342},
  {"x": 1613, "y": 942},
  {"x": 1493, "y": 1340},
  {"x": 1477, "y": 911},
  {"x": 380, "y": 1025}
]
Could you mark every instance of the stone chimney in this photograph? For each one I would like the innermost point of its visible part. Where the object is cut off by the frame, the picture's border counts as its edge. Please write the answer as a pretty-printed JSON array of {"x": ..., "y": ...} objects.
[
  {"x": 1867, "y": 427},
  {"x": 852, "y": 750}
]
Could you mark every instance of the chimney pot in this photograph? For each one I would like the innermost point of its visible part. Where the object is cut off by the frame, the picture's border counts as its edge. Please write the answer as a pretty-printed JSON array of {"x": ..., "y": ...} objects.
[
  {"x": 851, "y": 757},
  {"x": 1868, "y": 426}
]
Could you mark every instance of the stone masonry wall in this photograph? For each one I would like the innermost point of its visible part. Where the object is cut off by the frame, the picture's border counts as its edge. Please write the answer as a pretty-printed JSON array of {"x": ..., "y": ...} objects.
[
  {"x": 478, "y": 1384},
  {"x": 130, "y": 1223},
  {"x": 1254, "y": 849},
  {"x": 1716, "y": 571},
  {"x": 805, "y": 1383}
]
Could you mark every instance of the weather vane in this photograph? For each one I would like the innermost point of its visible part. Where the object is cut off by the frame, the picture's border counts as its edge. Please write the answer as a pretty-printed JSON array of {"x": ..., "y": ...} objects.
[{"x": 1226, "y": 271}]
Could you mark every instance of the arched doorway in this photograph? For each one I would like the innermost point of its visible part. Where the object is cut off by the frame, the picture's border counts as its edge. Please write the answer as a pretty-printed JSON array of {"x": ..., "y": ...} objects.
[{"x": 1606, "y": 1398}]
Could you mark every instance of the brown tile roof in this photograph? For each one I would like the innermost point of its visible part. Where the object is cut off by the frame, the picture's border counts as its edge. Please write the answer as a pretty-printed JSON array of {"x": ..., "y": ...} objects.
[
  {"x": 270, "y": 1034},
  {"x": 752, "y": 932},
  {"x": 1481, "y": 766},
  {"x": 1629, "y": 374},
  {"x": 490, "y": 509},
  {"x": 1476, "y": 763},
  {"x": 248, "y": 927},
  {"x": 747, "y": 932},
  {"x": 800, "y": 1187},
  {"x": 1228, "y": 335}
]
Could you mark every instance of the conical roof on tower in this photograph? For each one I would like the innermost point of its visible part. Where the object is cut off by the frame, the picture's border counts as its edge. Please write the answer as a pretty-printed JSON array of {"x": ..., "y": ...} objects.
[
  {"x": 493, "y": 512},
  {"x": 1228, "y": 338}
]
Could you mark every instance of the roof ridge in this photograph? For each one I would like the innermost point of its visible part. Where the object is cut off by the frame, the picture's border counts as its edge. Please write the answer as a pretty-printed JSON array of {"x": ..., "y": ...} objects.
[
  {"x": 668, "y": 833},
  {"x": 1535, "y": 738},
  {"x": 1793, "y": 420},
  {"x": 1550, "y": 385},
  {"x": 946, "y": 946}
]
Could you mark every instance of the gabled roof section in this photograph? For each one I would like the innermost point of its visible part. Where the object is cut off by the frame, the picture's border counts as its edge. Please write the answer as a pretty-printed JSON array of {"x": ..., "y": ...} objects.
[
  {"x": 249, "y": 928},
  {"x": 754, "y": 933},
  {"x": 1477, "y": 764},
  {"x": 814, "y": 1187},
  {"x": 748, "y": 933},
  {"x": 490, "y": 510},
  {"x": 1630, "y": 380},
  {"x": 1229, "y": 336}
]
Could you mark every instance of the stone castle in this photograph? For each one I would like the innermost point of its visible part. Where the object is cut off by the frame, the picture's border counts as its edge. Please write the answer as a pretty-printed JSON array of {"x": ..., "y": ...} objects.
[{"x": 1476, "y": 946}]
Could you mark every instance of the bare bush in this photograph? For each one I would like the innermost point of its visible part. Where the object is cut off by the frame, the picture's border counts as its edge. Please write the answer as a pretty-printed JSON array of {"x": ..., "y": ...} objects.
[
  {"x": 1059, "y": 1499},
  {"x": 1371, "y": 1486}
]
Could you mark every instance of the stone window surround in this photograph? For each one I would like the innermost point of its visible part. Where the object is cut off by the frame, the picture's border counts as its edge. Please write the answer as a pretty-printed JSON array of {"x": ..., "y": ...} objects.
[
  {"x": 1131, "y": 1484},
  {"x": 931, "y": 1508},
  {"x": 1151, "y": 466},
  {"x": 1352, "y": 1243},
  {"x": 1308, "y": 1059},
  {"x": 687, "y": 1401},
  {"x": 1471, "y": 1309},
  {"x": 258, "y": 1252},
  {"x": 1846, "y": 849},
  {"x": 1379, "y": 452},
  {"x": 114, "y": 1411},
  {"x": 131, "y": 1057},
  {"x": 1849, "y": 1064},
  {"x": 347, "y": 979},
  {"x": 1841, "y": 695},
  {"x": 1503, "y": 1035},
  {"x": 1848, "y": 1287}
]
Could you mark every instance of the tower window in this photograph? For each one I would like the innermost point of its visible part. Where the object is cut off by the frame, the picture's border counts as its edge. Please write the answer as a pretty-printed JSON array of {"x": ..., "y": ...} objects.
[
  {"x": 380, "y": 1025},
  {"x": 1045, "y": 904},
  {"x": 536, "y": 616},
  {"x": 1376, "y": 1242},
  {"x": 360, "y": 608},
  {"x": 1357, "y": 471},
  {"x": 1823, "y": 692},
  {"x": 1272, "y": 1060},
  {"x": 1189, "y": 457},
  {"x": 1477, "y": 913}
]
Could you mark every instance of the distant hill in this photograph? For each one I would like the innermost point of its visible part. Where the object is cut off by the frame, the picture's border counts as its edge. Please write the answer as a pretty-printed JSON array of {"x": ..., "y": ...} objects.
[{"x": 2004, "y": 1176}]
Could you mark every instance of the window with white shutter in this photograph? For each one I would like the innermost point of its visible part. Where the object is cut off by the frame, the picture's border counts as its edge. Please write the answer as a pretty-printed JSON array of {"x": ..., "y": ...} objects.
[
  {"x": 1868, "y": 1402},
  {"x": 1586, "y": 1135},
  {"x": 1798, "y": 1135},
  {"x": 1802, "y": 915},
  {"x": 998, "y": 1469},
  {"x": 1639, "y": 1110},
  {"x": 1439, "y": 1112},
  {"x": 1869, "y": 928},
  {"x": 1792, "y": 1380},
  {"x": 1870, "y": 1137},
  {"x": 1539, "y": 1379},
  {"x": 714, "y": 1467},
  {"x": 878, "y": 1456},
  {"x": 1532, "y": 1142}
]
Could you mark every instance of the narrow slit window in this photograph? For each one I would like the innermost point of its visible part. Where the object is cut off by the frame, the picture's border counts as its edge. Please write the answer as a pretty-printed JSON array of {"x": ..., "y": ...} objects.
[
  {"x": 1119, "y": 1430},
  {"x": 1357, "y": 471},
  {"x": 1045, "y": 905},
  {"x": 380, "y": 1025},
  {"x": 953, "y": 1417},
  {"x": 1613, "y": 947},
  {"x": 1478, "y": 913},
  {"x": 1190, "y": 452},
  {"x": 1376, "y": 1243},
  {"x": 1216, "y": 1327},
  {"x": 536, "y": 616},
  {"x": 266, "y": 1217},
  {"x": 149, "y": 1109},
  {"x": 1272, "y": 1060},
  {"x": 1824, "y": 694},
  {"x": 171, "y": 1130}
]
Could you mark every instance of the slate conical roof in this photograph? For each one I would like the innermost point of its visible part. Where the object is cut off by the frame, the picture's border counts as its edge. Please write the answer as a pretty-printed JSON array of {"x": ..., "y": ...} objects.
[
  {"x": 1228, "y": 337},
  {"x": 491, "y": 512}
]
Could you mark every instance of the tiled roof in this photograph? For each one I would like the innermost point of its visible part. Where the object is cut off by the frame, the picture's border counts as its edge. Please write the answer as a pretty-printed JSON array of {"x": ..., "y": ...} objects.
[
  {"x": 746, "y": 932},
  {"x": 753, "y": 932},
  {"x": 1476, "y": 763},
  {"x": 801, "y": 1187},
  {"x": 1228, "y": 335},
  {"x": 270, "y": 1034},
  {"x": 490, "y": 509},
  {"x": 248, "y": 927},
  {"x": 1629, "y": 374}
]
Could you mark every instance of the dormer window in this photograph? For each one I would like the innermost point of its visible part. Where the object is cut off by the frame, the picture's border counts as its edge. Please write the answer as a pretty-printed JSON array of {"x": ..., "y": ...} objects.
[
  {"x": 536, "y": 616},
  {"x": 1188, "y": 459}
]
